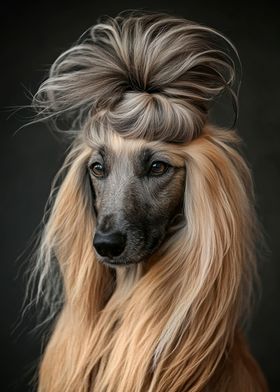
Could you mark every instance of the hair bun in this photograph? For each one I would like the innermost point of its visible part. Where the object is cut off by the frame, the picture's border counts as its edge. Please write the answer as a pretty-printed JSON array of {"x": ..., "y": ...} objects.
[{"x": 145, "y": 74}]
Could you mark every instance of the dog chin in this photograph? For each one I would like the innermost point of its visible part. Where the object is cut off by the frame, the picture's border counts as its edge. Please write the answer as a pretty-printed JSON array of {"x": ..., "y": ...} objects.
[{"x": 117, "y": 261}]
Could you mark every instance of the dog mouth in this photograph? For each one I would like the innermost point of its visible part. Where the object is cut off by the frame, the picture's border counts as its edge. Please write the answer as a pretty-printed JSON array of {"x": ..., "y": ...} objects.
[
  {"x": 135, "y": 252},
  {"x": 117, "y": 261},
  {"x": 126, "y": 258}
]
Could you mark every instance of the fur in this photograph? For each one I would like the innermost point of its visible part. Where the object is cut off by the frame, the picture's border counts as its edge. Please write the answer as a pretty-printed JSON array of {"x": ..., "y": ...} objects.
[{"x": 172, "y": 321}]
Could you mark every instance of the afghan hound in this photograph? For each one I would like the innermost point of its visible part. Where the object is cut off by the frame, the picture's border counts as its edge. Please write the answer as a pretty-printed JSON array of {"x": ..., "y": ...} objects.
[{"x": 147, "y": 257}]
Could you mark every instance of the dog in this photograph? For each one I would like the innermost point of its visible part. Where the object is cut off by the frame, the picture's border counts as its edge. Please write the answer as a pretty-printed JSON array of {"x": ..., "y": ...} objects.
[{"x": 148, "y": 254}]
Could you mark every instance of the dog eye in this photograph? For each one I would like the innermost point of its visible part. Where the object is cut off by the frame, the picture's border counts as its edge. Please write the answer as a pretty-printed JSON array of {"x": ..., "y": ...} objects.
[
  {"x": 97, "y": 169},
  {"x": 158, "y": 168}
]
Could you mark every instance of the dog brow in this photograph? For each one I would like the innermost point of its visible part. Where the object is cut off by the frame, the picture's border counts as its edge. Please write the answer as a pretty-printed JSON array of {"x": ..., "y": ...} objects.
[
  {"x": 106, "y": 154},
  {"x": 103, "y": 150},
  {"x": 145, "y": 154}
]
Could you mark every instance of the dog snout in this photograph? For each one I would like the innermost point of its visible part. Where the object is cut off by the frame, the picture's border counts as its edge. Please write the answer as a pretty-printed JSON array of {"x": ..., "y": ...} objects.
[{"x": 109, "y": 244}]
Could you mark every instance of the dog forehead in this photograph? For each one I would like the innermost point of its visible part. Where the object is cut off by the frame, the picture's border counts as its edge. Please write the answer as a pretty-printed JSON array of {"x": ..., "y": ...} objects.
[
  {"x": 126, "y": 153},
  {"x": 124, "y": 146}
]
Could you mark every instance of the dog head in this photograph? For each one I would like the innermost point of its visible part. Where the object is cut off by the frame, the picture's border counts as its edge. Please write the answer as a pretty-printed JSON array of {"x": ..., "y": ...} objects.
[{"x": 131, "y": 79}]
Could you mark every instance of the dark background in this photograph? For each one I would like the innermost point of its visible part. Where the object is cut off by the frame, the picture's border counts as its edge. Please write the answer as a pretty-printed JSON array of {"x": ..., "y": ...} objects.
[{"x": 33, "y": 36}]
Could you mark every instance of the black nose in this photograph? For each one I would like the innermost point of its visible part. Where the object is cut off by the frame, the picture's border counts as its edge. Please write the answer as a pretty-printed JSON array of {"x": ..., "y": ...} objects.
[{"x": 109, "y": 244}]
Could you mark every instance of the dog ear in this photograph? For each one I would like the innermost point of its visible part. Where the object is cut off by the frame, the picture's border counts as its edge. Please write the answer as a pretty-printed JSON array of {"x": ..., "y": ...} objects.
[
  {"x": 68, "y": 236},
  {"x": 220, "y": 207}
]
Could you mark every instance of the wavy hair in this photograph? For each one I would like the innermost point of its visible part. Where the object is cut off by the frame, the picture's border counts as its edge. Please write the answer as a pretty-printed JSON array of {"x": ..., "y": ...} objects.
[{"x": 175, "y": 323}]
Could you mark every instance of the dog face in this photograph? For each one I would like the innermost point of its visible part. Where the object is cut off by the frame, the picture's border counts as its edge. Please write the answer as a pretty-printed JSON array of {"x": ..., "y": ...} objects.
[{"x": 138, "y": 191}]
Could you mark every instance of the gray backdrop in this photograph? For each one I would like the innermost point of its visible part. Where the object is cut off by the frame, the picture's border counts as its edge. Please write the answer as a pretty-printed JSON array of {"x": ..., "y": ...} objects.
[{"x": 33, "y": 35}]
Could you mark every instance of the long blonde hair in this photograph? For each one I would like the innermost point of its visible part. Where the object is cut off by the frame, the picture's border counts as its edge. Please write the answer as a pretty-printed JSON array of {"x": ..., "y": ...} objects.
[{"x": 175, "y": 323}]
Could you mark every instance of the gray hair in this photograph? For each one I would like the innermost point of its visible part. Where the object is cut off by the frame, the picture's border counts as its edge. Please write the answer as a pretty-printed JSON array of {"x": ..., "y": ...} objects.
[{"x": 143, "y": 74}]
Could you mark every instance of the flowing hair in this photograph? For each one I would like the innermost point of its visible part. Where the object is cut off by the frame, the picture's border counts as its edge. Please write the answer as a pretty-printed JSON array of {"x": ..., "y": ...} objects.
[{"x": 175, "y": 323}]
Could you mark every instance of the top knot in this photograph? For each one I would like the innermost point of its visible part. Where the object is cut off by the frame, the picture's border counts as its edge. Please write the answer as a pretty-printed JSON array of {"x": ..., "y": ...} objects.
[{"x": 144, "y": 74}]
